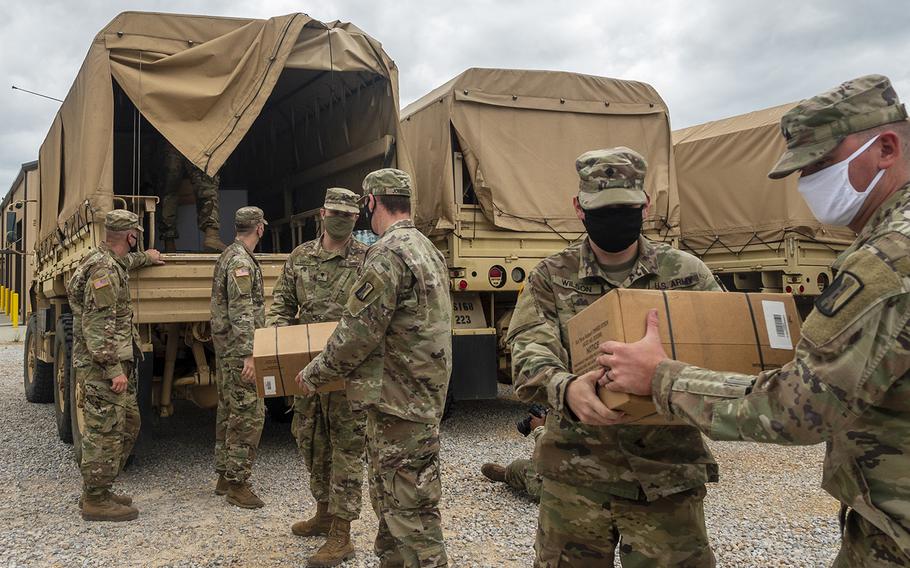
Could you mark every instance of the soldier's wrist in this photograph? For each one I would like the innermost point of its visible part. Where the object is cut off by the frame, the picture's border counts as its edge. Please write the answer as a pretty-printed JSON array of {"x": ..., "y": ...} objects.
[{"x": 112, "y": 371}]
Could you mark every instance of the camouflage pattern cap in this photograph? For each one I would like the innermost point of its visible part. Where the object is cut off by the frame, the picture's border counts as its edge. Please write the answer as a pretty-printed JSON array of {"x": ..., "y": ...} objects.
[
  {"x": 340, "y": 199},
  {"x": 121, "y": 220},
  {"x": 611, "y": 176},
  {"x": 246, "y": 217},
  {"x": 387, "y": 181},
  {"x": 816, "y": 126}
]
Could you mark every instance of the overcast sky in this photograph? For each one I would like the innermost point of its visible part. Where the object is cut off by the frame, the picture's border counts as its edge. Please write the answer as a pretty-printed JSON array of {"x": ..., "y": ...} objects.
[{"x": 707, "y": 58}]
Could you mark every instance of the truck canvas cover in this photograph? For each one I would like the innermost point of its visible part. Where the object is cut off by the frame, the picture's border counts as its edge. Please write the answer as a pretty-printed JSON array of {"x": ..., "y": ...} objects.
[
  {"x": 520, "y": 132},
  {"x": 725, "y": 195},
  {"x": 202, "y": 82}
]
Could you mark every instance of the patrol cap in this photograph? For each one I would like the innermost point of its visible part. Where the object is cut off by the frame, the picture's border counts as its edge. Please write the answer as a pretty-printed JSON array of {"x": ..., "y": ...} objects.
[
  {"x": 387, "y": 181},
  {"x": 247, "y": 217},
  {"x": 611, "y": 176},
  {"x": 341, "y": 199},
  {"x": 121, "y": 220},
  {"x": 815, "y": 126}
]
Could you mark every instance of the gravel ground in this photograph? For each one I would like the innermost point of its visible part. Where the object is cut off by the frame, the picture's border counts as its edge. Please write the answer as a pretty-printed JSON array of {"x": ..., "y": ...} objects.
[{"x": 766, "y": 511}]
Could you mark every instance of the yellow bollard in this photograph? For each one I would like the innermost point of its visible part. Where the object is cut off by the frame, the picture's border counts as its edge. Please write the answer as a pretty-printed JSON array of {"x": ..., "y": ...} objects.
[
  {"x": 3, "y": 299},
  {"x": 6, "y": 292},
  {"x": 14, "y": 310}
]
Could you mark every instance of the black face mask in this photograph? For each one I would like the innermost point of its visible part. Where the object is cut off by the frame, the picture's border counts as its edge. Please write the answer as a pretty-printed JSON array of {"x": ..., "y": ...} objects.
[
  {"x": 613, "y": 229},
  {"x": 134, "y": 247},
  {"x": 367, "y": 215}
]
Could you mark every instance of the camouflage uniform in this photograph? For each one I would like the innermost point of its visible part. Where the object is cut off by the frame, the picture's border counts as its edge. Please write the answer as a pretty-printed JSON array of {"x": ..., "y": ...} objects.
[
  {"x": 238, "y": 308},
  {"x": 848, "y": 384},
  {"x": 103, "y": 341},
  {"x": 394, "y": 345},
  {"x": 176, "y": 169},
  {"x": 313, "y": 287},
  {"x": 644, "y": 484},
  {"x": 522, "y": 475}
]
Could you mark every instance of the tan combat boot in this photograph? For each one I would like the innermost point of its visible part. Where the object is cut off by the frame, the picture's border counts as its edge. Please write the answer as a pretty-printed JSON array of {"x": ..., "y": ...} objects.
[
  {"x": 493, "y": 472},
  {"x": 318, "y": 525},
  {"x": 103, "y": 508},
  {"x": 240, "y": 494},
  {"x": 121, "y": 499},
  {"x": 170, "y": 245},
  {"x": 212, "y": 241},
  {"x": 337, "y": 547},
  {"x": 221, "y": 488}
]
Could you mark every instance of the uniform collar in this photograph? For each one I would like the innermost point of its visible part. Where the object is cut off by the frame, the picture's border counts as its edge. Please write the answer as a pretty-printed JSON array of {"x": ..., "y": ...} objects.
[
  {"x": 324, "y": 254},
  {"x": 403, "y": 224},
  {"x": 243, "y": 248},
  {"x": 900, "y": 199},
  {"x": 645, "y": 265}
]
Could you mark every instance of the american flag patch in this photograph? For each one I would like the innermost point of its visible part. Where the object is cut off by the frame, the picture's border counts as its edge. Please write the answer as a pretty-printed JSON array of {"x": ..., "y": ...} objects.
[
  {"x": 101, "y": 282},
  {"x": 242, "y": 272}
]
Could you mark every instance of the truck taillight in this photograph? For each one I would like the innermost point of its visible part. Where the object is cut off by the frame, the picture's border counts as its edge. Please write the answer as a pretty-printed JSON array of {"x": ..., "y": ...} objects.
[
  {"x": 463, "y": 285},
  {"x": 497, "y": 276},
  {"x": 518, "y": 274}
]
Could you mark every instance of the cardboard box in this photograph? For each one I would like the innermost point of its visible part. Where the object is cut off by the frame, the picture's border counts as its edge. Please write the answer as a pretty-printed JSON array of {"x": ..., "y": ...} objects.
[
  {"x": 279, "y": 353},
  {"x": 722, "y": 331}
]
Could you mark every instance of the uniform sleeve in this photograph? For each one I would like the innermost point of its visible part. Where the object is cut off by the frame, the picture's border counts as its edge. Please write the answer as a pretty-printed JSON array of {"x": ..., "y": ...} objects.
[
  {"x": 854, "y": 346},
  {"x": 241, "y": 311},
  {"x": 136, "y": 260},
  {"x": 707, "y": 282},
  {"x": 539, "y": 360},
  {"x": 99, "y": 320},
  {"x": 364, "y": 321},
  {"x": 283, "y": 310}
]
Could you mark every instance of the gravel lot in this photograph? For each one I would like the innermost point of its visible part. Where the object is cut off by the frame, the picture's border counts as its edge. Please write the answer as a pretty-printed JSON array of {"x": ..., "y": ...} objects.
[{"x": 766, "y": 511}]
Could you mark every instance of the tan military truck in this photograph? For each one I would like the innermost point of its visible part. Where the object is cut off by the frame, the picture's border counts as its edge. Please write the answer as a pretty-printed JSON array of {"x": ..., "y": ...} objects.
[
  {"x": 494, "y": 153},
  {"x": 279, "y": 108},
  {"x": 755, "y": 233}
]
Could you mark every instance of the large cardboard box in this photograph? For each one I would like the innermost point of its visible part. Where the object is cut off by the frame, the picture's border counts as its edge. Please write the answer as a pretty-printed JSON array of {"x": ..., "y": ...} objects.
[
  {"x": 722, "y": 331},
  {"x": 279, "y": 353}
]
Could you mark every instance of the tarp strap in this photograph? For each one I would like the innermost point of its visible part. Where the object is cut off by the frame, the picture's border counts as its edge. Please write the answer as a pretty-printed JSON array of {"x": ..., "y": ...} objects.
[
  {"x": 669, "y": 324},
  {"x": 761, "y": 356}
]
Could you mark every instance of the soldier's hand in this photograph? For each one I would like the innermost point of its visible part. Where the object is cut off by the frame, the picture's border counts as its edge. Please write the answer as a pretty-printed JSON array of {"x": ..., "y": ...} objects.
[
  {"x": 632, "y": 365},
  {"x": 582, "y": 399},
  {"x": 248, "y": 373},
  {"x": 118, "y": 384},
  {"x": 155, "y": 256},
  {"x": 307, "y": 391}
]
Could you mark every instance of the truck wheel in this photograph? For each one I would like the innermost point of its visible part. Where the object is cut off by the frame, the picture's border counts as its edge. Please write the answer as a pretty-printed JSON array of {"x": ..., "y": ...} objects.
[
  {"x": 38, "y": 375},
  {"x": 77, "y": 417},
  {"x": 63, "y": 370}
]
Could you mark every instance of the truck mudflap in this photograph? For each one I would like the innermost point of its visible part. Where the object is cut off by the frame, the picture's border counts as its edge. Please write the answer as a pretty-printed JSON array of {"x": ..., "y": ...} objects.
[{"x": 474, "y": 364}]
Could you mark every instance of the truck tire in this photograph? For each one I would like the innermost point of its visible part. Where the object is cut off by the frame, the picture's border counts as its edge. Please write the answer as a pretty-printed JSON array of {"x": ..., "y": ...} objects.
[
  {"x": 77, "y": 418},
  {"x": 63, "y": 371},
  {"x": 38, "y": 375}
]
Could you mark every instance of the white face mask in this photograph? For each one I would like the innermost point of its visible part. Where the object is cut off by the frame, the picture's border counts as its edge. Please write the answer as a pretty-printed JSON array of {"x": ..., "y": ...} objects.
[{"x": 829, "y": 193}]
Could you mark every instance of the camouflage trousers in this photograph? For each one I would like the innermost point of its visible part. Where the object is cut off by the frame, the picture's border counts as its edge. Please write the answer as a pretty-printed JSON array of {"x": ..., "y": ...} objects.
[
  {"x": 864, "y": 546},
  {"x": 405, "y": 488},
  {"x": 111, "y": 427},
  {"x": 521, "y": 475},
  {"x": 579, "y": 528},
  {"x": 205, "y": 188},
  {"x": 238, "y": 422},
  {"x": 331, "y": 438}
]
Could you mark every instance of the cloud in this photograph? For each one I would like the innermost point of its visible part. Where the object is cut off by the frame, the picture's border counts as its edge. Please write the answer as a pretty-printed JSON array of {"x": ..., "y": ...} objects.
[{"x": 708, "y": 59}]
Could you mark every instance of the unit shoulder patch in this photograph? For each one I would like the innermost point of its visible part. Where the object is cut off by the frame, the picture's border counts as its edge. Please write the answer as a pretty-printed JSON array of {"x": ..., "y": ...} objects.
[{"x": 839, "y": 293}]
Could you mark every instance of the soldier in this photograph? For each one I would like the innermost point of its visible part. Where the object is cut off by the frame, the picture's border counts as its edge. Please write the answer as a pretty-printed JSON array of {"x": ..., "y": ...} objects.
[
  {"x": 103, "y": 342},
  {"x": 176, "y": 169},
  {"x": 238, "y": 308},
  {"x": 394, "y": 348},
  {"x": 643, "y": 484},
  {"x": 520, "y": 474},
  {"x": 313, "y": 287},
  {"x": 848, "y": 384}
]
